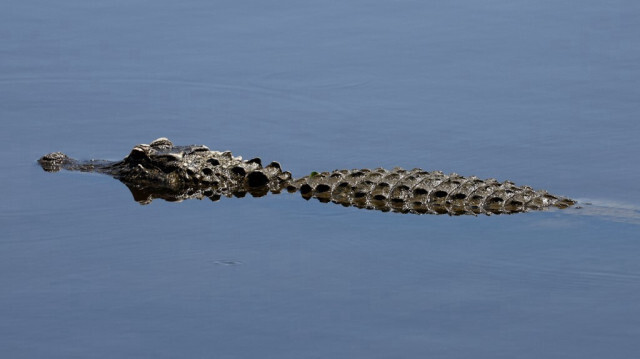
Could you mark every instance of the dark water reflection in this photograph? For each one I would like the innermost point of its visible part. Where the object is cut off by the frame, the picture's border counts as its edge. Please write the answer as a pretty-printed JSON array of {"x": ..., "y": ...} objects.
[{"x": 540, "y": 93}]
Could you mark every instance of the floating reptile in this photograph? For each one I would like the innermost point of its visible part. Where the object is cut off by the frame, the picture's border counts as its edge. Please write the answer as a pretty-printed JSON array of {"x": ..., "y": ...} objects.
[{"x": 174, "y": 173}]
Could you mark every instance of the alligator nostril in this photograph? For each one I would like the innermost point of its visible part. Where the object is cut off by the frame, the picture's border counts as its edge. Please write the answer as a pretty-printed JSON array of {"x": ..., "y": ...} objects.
[
  {"x": 53, "y": 162},
  {"x": 53, "y": 157}
]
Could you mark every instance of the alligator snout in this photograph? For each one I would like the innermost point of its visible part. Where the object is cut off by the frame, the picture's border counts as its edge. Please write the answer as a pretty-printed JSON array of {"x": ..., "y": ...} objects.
[{"x": 54, "y": 162}]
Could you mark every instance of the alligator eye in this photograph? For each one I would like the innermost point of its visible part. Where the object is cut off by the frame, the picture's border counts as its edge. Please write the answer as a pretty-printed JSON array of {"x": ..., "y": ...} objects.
[
  {"x": 161, "y": 143},
  {"x": 138, "y": 153}
]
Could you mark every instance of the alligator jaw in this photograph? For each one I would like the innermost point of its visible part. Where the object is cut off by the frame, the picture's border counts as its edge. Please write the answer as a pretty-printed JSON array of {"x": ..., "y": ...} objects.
[{"x": 56, "y": 161}]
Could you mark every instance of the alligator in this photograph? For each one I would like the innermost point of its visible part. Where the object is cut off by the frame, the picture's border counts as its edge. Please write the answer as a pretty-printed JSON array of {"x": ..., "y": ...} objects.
[{"x": 175, "y": 173}]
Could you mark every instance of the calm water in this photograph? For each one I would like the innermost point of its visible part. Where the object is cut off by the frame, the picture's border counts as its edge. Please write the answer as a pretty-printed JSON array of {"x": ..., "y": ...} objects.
[{"x": 543, "y": 93}]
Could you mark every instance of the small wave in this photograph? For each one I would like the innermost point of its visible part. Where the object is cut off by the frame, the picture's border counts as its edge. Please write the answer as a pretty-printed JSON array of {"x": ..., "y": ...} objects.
[{"x": 615, "y": 211}]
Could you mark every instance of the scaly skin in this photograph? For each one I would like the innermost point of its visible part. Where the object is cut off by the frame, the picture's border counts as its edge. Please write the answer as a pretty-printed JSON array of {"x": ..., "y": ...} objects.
[
  {"x": 173, "y": 173},
  {"x": 420, "y": 192}
]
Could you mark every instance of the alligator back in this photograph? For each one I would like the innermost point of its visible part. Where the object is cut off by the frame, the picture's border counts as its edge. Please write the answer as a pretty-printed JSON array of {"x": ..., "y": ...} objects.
[{"x": 418, "y": 191}]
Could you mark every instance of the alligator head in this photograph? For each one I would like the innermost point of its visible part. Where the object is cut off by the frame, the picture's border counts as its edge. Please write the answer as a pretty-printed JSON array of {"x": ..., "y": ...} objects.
[{"x": 162, "y": 170}]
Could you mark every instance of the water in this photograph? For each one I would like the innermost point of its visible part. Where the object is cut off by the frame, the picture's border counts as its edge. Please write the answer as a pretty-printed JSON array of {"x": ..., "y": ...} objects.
[{"x": 541, "y": 93}]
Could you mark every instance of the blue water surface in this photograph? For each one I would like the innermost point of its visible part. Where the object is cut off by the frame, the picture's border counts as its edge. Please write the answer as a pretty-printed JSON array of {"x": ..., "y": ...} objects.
[{"x": 543, "y": 93}]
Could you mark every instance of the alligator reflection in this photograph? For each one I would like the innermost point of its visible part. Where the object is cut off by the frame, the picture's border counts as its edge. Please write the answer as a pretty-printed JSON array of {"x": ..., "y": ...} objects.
[
  {"x": 176, "y": 173},
  {"x": 144, "y": 195}
]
